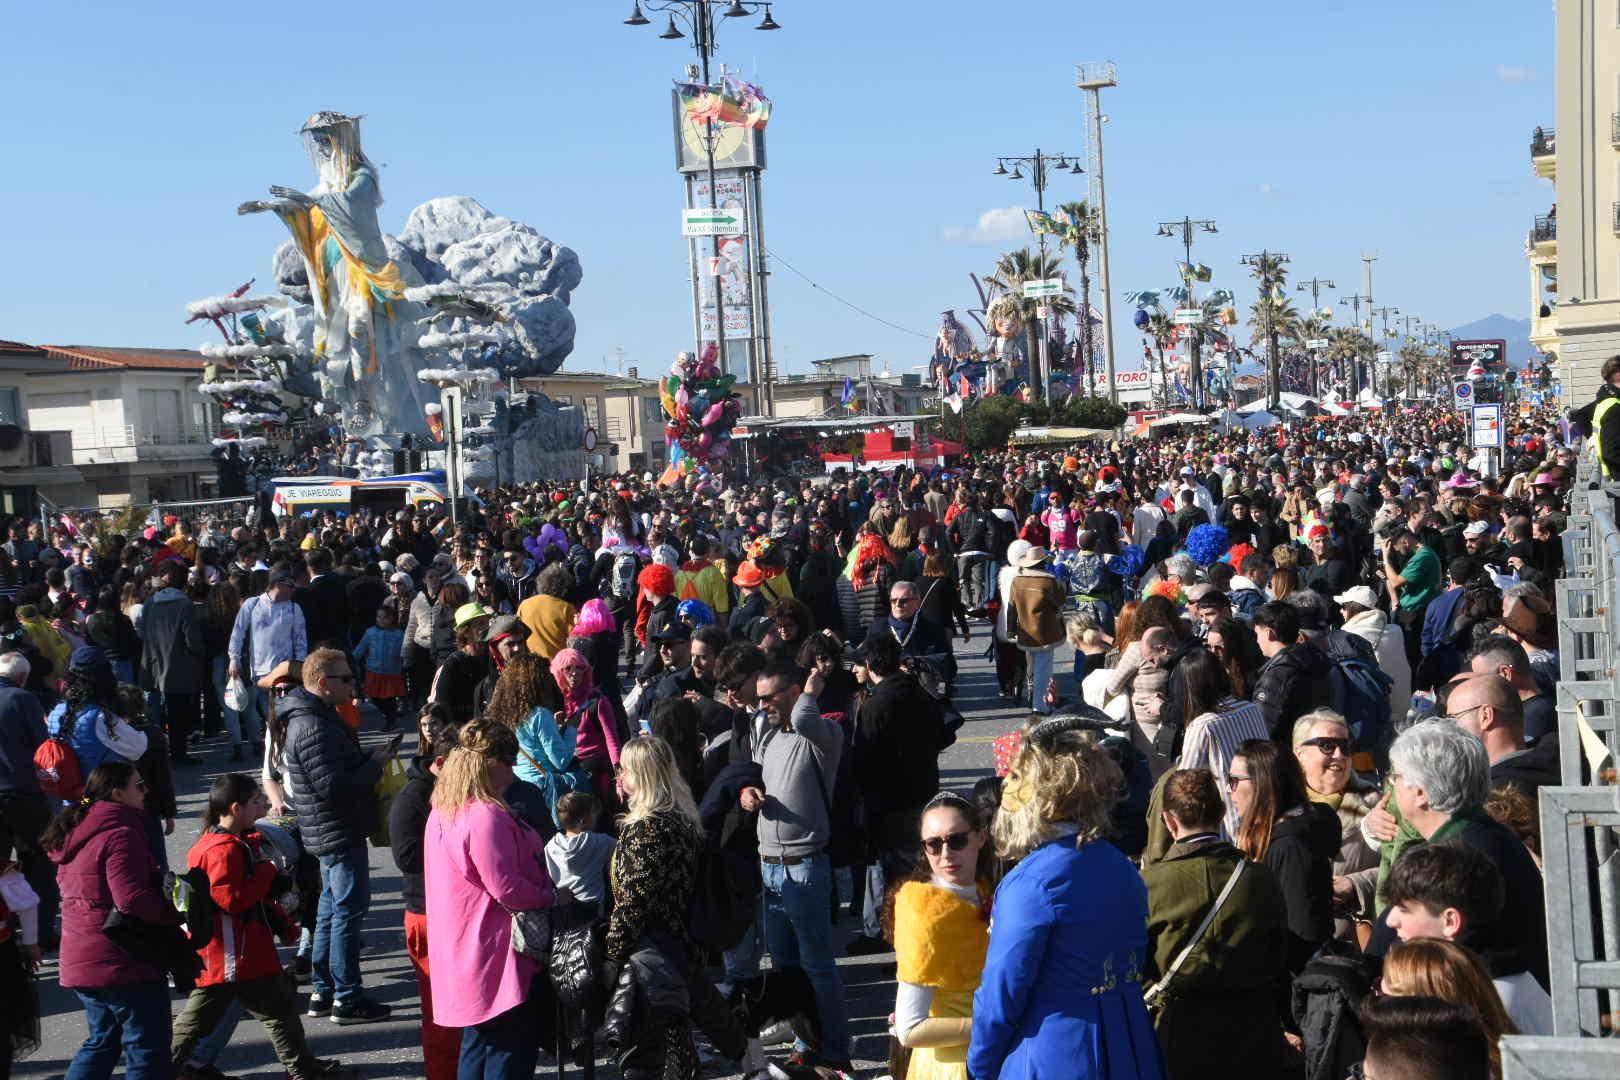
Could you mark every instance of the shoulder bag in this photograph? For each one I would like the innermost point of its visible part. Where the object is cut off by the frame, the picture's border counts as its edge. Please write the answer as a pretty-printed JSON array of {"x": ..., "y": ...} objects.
[{"x": 1154, "y": 992}]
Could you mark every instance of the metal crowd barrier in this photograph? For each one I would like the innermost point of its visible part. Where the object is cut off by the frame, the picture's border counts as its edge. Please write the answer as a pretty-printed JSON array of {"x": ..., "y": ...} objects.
[{"x": 1580, "y": 819}]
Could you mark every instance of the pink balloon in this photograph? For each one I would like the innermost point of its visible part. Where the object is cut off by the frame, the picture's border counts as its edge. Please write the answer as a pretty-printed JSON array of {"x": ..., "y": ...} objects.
[
  {"x": 705, "y": 441},
  {"x": 716, "y": 411},
  {"x": 682, "y": 397}
]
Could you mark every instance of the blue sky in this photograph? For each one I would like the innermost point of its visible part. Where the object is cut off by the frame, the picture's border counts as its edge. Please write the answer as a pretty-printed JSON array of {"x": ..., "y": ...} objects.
[{"x": 132, "y": 131}]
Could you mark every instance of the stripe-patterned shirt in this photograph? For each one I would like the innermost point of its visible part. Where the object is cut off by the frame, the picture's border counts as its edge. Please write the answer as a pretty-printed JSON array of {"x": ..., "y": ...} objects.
[{"x": 1213, "y": 738}]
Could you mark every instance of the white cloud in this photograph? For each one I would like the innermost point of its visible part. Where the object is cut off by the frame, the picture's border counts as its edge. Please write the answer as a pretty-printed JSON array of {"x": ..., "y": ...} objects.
[
  {"x": 1267, "y": 189},
  {"x": 995, "y": 226},
  {"x": 1514, "y": 74}
]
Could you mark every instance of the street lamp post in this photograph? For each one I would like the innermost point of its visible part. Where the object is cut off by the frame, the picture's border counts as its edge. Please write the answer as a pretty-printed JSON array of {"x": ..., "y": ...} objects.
[
  {"x": 1039, "y": 165},
  {"x": 1316, "y": 285},
  {"x": 1383, "y": 313},
  {"x": 1355, "y": 300},
  {"x": 701, "y": 20},
  {"x": 1183, "y": 230},
  {"x": 1093, "y": 79},
  {"x": 1273, "y": 363}
]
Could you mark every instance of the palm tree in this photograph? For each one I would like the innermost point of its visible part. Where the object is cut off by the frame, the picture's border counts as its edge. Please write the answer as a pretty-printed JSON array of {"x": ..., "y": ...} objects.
[
  {"x": 1274, "y": 318},
  {"x": 1345, "y": 345},
  {"x": 1009, "y": 302},
  {"x": 1414, "y": 358},
  {"x": 1315, "y": 327},
  {"x": 1078, "y": 232}
]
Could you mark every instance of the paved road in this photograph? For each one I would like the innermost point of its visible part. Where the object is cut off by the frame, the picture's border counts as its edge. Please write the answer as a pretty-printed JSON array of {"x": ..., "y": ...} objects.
[{"x": 391, "y": 1049}]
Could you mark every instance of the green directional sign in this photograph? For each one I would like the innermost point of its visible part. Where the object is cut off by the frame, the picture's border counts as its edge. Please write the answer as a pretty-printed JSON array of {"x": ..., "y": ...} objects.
[
  {"x": 706, "y": 222},
  {"x": 1044, "y": 287}
]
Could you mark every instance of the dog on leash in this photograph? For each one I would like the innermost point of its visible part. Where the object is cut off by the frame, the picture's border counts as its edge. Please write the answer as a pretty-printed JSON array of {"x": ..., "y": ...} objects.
[{"x": 779, "y": 996}]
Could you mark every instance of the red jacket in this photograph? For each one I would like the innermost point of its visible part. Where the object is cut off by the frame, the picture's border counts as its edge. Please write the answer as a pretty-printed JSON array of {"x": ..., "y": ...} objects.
[
  {"x": 106, "y": 863},
  {"x": 243, "y": 946}
]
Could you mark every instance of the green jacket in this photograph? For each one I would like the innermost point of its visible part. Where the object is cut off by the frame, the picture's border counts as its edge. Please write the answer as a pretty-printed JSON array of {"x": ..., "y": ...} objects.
[{"x": 1227, "y": 994}]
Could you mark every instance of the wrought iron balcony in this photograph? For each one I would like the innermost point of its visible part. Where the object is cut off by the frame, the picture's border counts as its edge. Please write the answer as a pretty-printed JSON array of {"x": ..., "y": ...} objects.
[
  {"x": 1545, "y": 229},
  {"x": 1543, "y": 142}
]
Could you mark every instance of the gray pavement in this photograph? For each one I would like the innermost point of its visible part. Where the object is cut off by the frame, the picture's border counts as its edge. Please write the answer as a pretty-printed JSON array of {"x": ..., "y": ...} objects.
[{"x": 392, "y": 1048}]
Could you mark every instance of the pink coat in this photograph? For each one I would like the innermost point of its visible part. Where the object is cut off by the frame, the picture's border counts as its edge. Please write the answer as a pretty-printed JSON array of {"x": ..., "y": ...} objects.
[{"x": 479, "y": 868}]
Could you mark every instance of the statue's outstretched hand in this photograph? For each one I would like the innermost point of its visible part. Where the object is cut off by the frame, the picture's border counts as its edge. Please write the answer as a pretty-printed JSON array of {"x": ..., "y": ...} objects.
[
  {"x": 292, "y": 195},
  {"x": 254, "y": 206}
]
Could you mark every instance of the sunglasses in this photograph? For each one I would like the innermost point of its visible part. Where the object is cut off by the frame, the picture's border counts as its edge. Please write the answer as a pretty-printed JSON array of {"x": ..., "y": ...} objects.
[
  {"x": 1233, "y": 780},
  {"x": 956, "y": 841},
  {"x": 1329, "y": 746}
]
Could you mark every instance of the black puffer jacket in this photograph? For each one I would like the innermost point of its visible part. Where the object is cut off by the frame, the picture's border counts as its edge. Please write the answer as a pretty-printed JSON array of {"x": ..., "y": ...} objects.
[
  {"x": 1301, "y": 859},
  {"x": 332, "y": 781},
  {"x": 407, "y": 823},
  {"x": 895, "y": 756},
  {"x": 1291, "y": 684}
]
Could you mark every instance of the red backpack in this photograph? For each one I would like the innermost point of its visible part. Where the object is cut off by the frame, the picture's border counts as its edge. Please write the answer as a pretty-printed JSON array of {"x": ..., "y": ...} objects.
[{"x": 56, "y": 764}]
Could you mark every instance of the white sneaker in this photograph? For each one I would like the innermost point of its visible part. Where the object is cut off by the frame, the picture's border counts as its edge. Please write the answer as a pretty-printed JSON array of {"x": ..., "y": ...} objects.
[{"x": 778, "y": 1034}]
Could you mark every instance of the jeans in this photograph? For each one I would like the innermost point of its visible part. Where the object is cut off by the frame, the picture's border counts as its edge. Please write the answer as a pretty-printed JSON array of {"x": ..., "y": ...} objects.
[
  {"x": 798, "y": 931},
  {"x": 208, "y": 1049},
  {"x": 971, "y": 570},
  {"x": 132, "y": 1020},
  {"x": 893, "y": 837},
  {"x": 504, "y": 1047},
  {"x": 1041, "y": 675},
  {"x": 233, "y": 719},
  {"x": 252, "y": 718},
  {"x": 345, "y": 896},
  {"x": 741, "y": 961}
]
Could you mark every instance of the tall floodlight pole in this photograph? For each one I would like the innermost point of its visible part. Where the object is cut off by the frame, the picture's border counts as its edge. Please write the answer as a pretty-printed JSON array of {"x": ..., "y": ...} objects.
[
  {"x": 1093, "y": 78},
  {"x": 701, "y": 20},
  {"x": 1372, "y": 357},
  {"x": 1315, "y": 285},
  {"x": 1039, "y": 165},
  {"x": 1183, "y": 231}
]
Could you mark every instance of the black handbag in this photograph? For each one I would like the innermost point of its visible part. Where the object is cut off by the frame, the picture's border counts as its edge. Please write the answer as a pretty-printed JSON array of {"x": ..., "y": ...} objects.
[
  {"x": 155, "y": 945},
  {"x": 577, "y": 953}
]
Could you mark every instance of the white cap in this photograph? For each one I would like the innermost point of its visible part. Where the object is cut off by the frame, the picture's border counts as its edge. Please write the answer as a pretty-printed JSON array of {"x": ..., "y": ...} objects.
[
  {"x": 1357, "y": 594},
  {"x": 1476, "y": 528}
]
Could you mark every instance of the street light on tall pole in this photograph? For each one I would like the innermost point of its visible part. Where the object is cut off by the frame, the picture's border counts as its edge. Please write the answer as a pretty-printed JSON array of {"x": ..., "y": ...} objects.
[
  {"x": 701, "y": 21},
  {"x": 1368, "y": 258},
  {"x": 1382, "y": 313},
  {"x": 1315, "y": 285},
  {"x": 1183, "y": 230},
  {"x": 1040, "y": 166},
  {"x": 1094, "y": 78},
  {"x": 1261, "y": 262}
]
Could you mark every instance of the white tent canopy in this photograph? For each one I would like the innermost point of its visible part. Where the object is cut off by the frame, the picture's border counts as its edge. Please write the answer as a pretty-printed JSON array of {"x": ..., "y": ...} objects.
[
  {"x": 1180, "y": 418},
  {"x": 1287, "y": 402}
]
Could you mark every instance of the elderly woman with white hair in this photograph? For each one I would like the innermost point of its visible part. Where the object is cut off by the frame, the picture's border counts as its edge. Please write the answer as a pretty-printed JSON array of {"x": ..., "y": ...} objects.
[
  {"x": 1441, "y": 778},
  {"x": 1009, "y": 658}
]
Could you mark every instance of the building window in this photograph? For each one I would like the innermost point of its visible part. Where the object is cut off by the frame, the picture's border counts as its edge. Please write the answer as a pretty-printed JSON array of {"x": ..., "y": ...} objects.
[
  {"x": 593, "y": 413},
  {"x": 160, "y": 416},
  {"x": 10, "y": 407}
]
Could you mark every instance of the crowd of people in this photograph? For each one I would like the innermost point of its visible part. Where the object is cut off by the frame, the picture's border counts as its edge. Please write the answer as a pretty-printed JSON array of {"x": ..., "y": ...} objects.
[{"x": 1279, "y": 819}]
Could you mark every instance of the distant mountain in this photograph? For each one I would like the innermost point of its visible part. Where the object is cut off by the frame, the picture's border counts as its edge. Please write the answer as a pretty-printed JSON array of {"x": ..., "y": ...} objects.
[{"x": 1516, "y": 332}]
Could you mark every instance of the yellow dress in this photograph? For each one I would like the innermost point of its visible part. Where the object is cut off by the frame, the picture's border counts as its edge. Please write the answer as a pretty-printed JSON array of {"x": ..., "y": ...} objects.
[{"x": 940, "y": 942}]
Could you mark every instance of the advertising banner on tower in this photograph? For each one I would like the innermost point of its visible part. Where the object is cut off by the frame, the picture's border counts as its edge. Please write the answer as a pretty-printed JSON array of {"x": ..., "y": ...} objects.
[
  {"x": 733, "y": 270},
  {"x": 1489, "y": 356}
]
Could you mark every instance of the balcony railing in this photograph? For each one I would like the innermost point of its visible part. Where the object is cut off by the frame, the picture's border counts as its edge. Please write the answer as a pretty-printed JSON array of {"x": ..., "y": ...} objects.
[
  {"x": 1545, "y": 229},
  {"x": 125, "y": 436},
  {"x": 1543, "y": 141},
  {"x": 1614, "y": 129}
]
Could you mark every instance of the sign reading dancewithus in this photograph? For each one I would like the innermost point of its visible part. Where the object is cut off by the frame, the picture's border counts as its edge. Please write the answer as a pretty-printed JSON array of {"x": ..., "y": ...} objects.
[{"x": 1490, "y": 355}]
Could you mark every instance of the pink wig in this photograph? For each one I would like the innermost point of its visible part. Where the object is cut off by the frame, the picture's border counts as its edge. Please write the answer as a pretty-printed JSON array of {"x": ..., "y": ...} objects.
[{"x": 594, "y": 618}]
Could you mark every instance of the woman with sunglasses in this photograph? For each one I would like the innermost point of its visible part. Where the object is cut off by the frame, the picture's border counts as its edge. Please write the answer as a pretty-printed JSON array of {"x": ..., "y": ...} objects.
[
  {"x": 939, "y": 924},
  {"x": 105, "y": 864},
  {"x": 1295, "y": 838},
  {"x": 1322, "y": 746}
]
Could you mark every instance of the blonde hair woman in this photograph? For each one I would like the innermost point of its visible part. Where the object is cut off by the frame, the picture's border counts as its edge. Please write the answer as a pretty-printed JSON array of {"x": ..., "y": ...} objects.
[
  {"x": 1061, "y": 992},
  {"x": 480, "y": 864},
  {"x": 1434, "y": 967},
  {"x": 654, "y": 873}
]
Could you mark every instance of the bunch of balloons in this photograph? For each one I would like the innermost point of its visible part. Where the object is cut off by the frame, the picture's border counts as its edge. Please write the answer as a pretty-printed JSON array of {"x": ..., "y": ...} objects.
[{"x": 701, "y": 411}]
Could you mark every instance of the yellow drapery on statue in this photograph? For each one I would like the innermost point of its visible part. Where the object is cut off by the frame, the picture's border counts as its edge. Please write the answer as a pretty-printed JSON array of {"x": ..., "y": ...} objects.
[{"x": 311, "y": 232}]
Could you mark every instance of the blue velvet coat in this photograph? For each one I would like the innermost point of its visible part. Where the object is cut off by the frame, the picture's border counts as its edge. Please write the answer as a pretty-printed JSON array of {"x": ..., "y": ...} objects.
[{"x": 1061, "y": 995}]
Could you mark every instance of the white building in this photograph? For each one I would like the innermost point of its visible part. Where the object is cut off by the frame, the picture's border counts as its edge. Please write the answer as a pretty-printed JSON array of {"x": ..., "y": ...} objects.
[{"x": 93, "y": 426}]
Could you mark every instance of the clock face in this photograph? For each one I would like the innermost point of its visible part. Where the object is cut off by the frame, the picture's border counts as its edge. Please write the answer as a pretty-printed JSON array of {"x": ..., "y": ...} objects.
[
  {"x": 727, "y": 139},
  {"x": 590, "y": 439}
]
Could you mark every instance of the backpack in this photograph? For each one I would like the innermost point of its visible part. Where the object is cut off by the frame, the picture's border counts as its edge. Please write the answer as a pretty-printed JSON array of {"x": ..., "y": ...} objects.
[
  {"x": 725, "y": 897},
  {"x": 622, "y": 575},
  {"x": 56, "y": 764},
  {"x": 1365, "y": 690},
  {"x": 189, "y": 893}
]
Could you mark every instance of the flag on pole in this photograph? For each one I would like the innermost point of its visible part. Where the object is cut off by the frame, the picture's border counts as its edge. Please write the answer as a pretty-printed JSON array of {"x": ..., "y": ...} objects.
[
  {"x": 965, "y": 387},
  {"x": 1042, "y": 222},
  {"x": 754, "y": 106},
  {"x": 701, "y": 103},
  {"x": 849, "y": 392}
]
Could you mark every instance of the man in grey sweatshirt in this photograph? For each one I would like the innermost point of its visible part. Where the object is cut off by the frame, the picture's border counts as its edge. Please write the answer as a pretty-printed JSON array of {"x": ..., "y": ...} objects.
[{"x": 798, "y": 754}]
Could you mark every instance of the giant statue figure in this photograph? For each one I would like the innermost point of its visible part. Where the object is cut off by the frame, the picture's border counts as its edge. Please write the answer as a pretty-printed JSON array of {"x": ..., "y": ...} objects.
[{"x": 363, "y": 356}]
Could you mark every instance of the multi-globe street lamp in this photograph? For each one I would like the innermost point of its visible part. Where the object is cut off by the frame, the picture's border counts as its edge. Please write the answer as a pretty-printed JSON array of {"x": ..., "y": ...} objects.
[
  {"x": 1040, "y": 165},
  {"x": 1183, "y": 230},
  {"x": 701, "y": 19}
]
